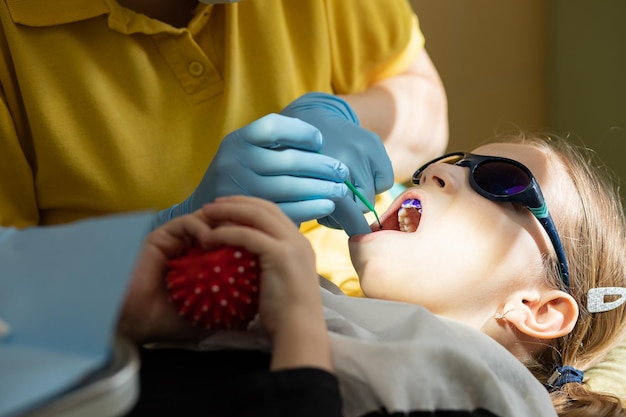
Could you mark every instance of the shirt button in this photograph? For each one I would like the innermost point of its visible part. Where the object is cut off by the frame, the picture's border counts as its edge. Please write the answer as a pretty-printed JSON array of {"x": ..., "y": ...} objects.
[{"x": 195, "y": 68}]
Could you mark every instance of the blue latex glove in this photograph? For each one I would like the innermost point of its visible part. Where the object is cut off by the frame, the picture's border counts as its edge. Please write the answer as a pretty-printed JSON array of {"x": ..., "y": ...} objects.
[
  {"x": 361, "y": 150},
  {"x": 276, "y": 158}
]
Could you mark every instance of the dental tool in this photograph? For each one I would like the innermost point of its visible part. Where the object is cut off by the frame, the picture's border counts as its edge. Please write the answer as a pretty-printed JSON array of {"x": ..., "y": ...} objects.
[{"x": 360, "y": 196}]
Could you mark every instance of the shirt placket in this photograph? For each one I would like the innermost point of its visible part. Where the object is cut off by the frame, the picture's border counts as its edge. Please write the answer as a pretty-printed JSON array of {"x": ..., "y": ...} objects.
[{"x": 197, "y": 75}]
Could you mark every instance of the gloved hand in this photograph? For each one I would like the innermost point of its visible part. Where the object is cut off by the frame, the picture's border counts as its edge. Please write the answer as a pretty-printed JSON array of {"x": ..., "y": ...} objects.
[
  {"x": 361, "y": 150},
  {"x": 276, "y": 158}
]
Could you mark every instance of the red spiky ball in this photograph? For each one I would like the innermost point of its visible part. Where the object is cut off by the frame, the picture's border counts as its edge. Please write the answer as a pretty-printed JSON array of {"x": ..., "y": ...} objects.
[{"x": 216, "y": 289}]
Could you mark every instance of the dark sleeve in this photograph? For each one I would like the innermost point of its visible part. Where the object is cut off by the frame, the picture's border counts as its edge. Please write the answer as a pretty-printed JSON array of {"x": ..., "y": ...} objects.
[
  {"x": 238, "y": 383},
  {"x": 230, "y": 383},
  {"x": 302, "y": 392},
  {"x": 434, "y": 413}
]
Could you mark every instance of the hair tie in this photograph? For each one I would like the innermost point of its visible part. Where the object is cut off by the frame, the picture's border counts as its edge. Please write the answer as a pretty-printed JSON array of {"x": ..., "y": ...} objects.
[{"x": 564, "y": 375}]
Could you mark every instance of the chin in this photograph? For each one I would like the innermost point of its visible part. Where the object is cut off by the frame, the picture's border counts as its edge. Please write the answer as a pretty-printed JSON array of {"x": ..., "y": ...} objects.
[{"x": 370, "y": 274}]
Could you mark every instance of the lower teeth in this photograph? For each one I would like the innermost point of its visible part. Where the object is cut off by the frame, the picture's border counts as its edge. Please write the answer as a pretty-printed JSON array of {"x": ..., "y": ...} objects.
[{"x": 404, "y": 220}]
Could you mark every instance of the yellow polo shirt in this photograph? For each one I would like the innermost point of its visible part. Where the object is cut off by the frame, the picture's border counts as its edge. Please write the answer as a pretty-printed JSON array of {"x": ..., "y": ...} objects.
[{"x": 105, "y": 110}]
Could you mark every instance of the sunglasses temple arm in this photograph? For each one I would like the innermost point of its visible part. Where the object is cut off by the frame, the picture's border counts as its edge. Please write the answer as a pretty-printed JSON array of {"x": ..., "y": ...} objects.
[{"x": 543, "y": 215}]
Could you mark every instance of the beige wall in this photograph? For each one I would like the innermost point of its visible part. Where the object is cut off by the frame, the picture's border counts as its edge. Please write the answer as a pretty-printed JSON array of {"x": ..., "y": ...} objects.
[
  {"x": 556, "y": 65},
  {"x": 492, "y": 57},
  {"x": 588, "y": 73}
]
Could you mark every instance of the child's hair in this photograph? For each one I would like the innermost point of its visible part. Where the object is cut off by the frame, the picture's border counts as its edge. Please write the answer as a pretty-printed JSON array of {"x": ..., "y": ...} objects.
[{"x": 593, "y": 230}]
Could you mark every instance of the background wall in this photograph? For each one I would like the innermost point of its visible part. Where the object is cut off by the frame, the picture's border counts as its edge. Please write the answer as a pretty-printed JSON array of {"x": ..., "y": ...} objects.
[
  {"x": 588, "y": 76},
  {"x": 553, "y": 65}
]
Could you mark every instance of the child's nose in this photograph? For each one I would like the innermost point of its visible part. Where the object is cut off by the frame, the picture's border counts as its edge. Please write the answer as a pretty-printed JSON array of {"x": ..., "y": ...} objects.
[{"x": 445, "y": 177}]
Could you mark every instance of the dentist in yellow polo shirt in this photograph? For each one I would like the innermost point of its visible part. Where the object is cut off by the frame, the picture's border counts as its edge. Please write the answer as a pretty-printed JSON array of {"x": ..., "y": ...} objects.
[{"x": 117, "y": 105}]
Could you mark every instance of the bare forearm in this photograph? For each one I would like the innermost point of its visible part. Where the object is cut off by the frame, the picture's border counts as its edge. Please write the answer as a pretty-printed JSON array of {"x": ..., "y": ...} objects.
[
  {"x": 410, "y": 114},
  {"x": 301, "y": 343}
]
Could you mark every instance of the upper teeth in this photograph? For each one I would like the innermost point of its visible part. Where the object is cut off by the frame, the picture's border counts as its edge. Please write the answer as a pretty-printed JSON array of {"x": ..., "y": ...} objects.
[
  {"x": 412, "y": 203},
  {"x": 405, "y": 221}
]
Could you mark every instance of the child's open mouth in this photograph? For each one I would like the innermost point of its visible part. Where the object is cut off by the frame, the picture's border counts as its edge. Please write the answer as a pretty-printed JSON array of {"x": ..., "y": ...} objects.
[
  {"x": 405, "y": 218},
  {"x": 409, "y": 215}
]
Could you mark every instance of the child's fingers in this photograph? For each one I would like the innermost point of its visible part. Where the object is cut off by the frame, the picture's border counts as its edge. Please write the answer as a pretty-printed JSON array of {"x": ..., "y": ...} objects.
[
  {"x": 288, "y": 277},
  {"x": 177, "y": 234},
  {"x": 245, "y": 237},
  {"x": 250, "y": 211}
]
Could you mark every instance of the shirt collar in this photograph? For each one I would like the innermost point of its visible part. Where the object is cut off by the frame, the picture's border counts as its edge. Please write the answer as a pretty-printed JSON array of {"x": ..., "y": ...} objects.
[
  {"x": 40, "y": 13},
  {"x": 55, "y": 12}
]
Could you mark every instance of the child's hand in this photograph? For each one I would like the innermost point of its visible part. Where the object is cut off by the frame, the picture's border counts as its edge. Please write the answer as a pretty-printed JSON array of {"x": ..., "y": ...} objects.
[
  {"x": 147, "y": 314},
  {"x": 290, "y": 304}
]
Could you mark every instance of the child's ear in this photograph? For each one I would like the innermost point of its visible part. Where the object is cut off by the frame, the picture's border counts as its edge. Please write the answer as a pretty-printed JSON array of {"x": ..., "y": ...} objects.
[{"x": 545, "y": 314}]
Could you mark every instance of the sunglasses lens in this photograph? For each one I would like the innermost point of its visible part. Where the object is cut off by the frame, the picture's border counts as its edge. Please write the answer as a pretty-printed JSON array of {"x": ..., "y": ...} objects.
[{"x": 501, "y": 178}]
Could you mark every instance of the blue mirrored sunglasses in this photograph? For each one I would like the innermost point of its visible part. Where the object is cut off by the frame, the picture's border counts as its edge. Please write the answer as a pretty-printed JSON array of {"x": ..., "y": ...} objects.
[{"x": 506, "y": 180}]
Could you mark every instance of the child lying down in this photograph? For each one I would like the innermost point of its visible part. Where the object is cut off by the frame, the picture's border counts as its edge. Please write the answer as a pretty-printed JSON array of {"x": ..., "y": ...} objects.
[{"x": 481, "y": 301}]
